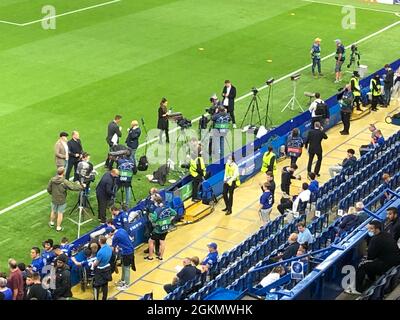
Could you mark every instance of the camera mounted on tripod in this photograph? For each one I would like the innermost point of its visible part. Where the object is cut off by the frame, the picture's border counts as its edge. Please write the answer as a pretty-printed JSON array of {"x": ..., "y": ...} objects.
[
  {"x": 118, "y": 151},
  {"x": 184, "y": 123},
  {"x": 254, "y": 90}
]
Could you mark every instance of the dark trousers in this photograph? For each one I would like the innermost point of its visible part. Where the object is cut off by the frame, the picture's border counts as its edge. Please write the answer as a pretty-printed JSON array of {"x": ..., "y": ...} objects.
[
  {"x": 103, "y": 289},
  {"x": 283, "y": 206},
  {"x": 388, "y": 93},
  {"x": 316, "y": 63},
  {"x": 195, "y": 186},
  {"x": 228, "y": 195},
  {"x": 102, "y": 203},
  {"x": 109, "y": 163},
  {"x": 72, "y": 163},
  {"x": 346, "y": 121},
  {"x": 170, "y": 287},
  {"x": 370, "y": 269},
  {"x": 293, "y": 160},
  {"x": 375, "y": 101},
  {"x": 311, "y": 159},
  {"x": 231, "y": 112},
  {"x": 357, "y": 101}
]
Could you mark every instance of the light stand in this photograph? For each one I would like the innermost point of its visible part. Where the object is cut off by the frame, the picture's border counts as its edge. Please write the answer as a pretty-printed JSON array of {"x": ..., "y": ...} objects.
[
  {"x": 268, "y": 120},
  {"x": 252, "y": 106},
  {"x": 82, "y": 204},
  {"x": 293, "y": 102}
]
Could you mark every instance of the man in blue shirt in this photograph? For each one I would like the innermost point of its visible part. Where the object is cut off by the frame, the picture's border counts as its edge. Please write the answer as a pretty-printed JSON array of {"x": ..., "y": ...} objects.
[
  {"x": 122, "y": 243},
  {"x": 316, "y": 56},
  {"x": 37, "y": 261},
  {"x": 314, "y": 185},
  {"x": 120, "y": 218},
  {"x": 266, "y": 202},
  {"x": 305, "y": 235},
  {"x": 211, "y": 257},
  {"x": 102, "y": 269}
]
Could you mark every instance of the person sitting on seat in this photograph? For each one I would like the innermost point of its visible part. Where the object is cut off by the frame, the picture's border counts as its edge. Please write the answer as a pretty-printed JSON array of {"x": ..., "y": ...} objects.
[
  {"x": 349, "y": 161},
  {"x": 348, "y": 222},
  {"x": 211, "y": 258},
  {"x": 377, "y": 139},
  {"x": 305, "y": 235},
  {"x": 301, "y": 201},
  {"x": 187, "y": 273},
  {"x": 383, "y": 253},
  {"x": 273, "y": 276},
  {"x": 291, "y": 249},
  {"x": 392, "y": 224}
]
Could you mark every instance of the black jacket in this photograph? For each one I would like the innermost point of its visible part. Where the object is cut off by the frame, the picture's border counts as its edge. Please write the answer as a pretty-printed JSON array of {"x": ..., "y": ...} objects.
[
  {"x": 105, "y": 188},
  {"x": 286, "y": 178},
  {"x": 132, "y": 140},
  {"x": 382, "y": 247},
  {"x": 388, "y": 81},
  {"x": 162, "y": 123},
  {"x": 290, "y": 251},
  {"x": 231, "y": 97},
  {"x": 314, "y": 138},
  {"x": 113, "y": 128},
  {"x": 393, "y": 228},
  {"x": 74, "y": 147},
  {"x": 63, "y": 283}
]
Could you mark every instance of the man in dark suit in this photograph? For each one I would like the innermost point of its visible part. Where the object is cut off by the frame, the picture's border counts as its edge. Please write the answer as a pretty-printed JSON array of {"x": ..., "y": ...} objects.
[
  {"x": 313, "y": 144},
  {"x": 75, "y": 154},
  {"x": 105, "y": 192},
  {"x": 229, "y": 95},
  {"x": 113, "y": 131}
]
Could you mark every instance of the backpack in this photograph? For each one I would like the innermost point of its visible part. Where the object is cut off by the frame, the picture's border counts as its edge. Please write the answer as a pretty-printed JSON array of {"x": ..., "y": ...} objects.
[
  {"x": 206, "y": 193},
  {"x": 143, "y": 164},
  {"x": 321, "y": 110}
]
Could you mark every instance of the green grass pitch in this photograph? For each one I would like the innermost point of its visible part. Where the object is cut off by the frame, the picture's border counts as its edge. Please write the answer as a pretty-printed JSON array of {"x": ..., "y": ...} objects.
[{"x": 123, "y": 57}]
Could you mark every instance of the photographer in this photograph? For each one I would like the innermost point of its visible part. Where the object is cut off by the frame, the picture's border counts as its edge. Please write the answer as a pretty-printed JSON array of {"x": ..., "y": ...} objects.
[
  {"x": 126, "y": 168},
  {"x": 85, "y": 170},
  {"x": 354, "y": 56},
  {"x": 75, "y": 153},
  {"x": 221, "y": 120},
  {"x": 105, "y": 192},
  {"x": 132, "y": 140}
]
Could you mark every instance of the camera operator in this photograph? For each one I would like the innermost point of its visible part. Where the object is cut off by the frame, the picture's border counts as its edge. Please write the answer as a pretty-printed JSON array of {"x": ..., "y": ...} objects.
[
  {"x": 355, "y": 88},
  {"x": 132, "y": 140},
  {"x": 126, "y": 168},
  {"x": 354, "y": 56},
  {"x": 85, "y": 170},
  {"x": 113, "y": 135},
  {"x": 105, "y": 192},
  {"x": 221, "y": 121},
  {"x": 75, "y": 153}
]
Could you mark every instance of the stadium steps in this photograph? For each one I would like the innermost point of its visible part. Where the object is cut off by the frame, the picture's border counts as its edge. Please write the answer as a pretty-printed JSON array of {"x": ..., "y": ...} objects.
[{"x": 194, "y": 211}]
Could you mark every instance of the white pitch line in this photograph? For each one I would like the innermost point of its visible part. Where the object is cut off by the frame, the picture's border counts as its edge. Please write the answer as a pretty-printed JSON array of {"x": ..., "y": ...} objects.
[
  {"x": 198, "y": 118},
  {"x": 61, "y": 14},
  {"x": 349, "y": 5}
]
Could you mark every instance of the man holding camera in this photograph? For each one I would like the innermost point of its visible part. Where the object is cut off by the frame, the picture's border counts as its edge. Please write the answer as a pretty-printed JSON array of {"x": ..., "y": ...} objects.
[
  {"x": 229, "y": 95},
  {"x": 113, "y": 135},
  {"x": 75, "y": 153},
  {"x": 57, "y": 188},
  {"x": 105, "y": 192}
]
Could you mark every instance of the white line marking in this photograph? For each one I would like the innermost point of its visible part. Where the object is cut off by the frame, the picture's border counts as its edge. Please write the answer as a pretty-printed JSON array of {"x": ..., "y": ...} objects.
[
  {"x": 61, "y": 14},
  {"x": 198, "y": 118},
  {"x": 343, "y": 5},
  {"x": 5, "y": 240}
]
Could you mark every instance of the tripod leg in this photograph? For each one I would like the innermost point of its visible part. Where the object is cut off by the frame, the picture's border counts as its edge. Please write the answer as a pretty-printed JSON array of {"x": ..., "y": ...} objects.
[{"x": 133, "y": 195}]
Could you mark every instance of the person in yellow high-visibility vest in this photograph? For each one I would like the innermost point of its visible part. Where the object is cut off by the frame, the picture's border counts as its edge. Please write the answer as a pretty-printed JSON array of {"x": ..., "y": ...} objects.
[
  {"x": 231, "y": 181},
  {"x": 376, "y": 92},
  {"x": 269, "y": 161},
  {"x": 197, "y": 170},
  {"x": 356, "y": 89}
]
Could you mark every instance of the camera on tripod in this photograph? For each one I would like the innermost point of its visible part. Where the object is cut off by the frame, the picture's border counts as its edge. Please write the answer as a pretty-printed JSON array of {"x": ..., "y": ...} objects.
[
  {"x": 118, "y": 151},
  {"x": 270, "y": 81},
  {"x": 184, "y": 123},
  {"x": 254, "y": 90},
  {"x": 87, "y": 174},
  {"x": 354, "y": 48}
]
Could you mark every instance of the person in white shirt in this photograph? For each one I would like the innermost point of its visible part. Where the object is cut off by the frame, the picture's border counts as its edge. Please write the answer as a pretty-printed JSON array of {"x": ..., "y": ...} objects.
[
  {"x": 273, "y": 276},
  {"x": 315, "y": 116},
  {"x": 304, "y": 197},
  {"x": 229, "y": 95},
  {"x": 231, "y": 181}
]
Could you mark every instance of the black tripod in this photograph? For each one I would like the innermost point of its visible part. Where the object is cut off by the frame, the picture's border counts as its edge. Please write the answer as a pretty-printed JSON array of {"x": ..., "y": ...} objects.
[
  {"x": 253, "y": 105},
  {"x": 185, "y": 144},
  {"x": 82, "y": 205},
  {"x": 122, "y": 188},
  {"x": 268, "y": 121}
]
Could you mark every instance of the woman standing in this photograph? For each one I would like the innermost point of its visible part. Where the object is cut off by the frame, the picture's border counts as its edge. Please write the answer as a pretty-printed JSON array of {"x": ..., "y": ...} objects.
[
  {"x": 294, "y": 146},
  {"x": 163, "y": 124},
  {"x": 132, "y": 140},
  {"x": 231, "y": 181}
]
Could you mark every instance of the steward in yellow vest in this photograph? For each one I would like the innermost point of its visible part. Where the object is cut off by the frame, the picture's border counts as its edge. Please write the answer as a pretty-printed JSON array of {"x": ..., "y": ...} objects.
[
  {"x": 376, "y": 92},
  {"x": 269, "y": 162},
  {"x": 197, "y": 170},
  {"x": 231, "y": 181}
]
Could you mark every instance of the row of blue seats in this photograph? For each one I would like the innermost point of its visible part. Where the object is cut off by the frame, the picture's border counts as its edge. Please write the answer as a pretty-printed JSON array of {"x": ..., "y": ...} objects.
[
  {"x": 328, "y": 202},
  {"x": 388, "y": 148},
  {"x": 256, "y": 257},
  {"x": 384, "y": 285},
  {"x": 227, "y": 257},
  {"x": 369, "y": 190}
]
